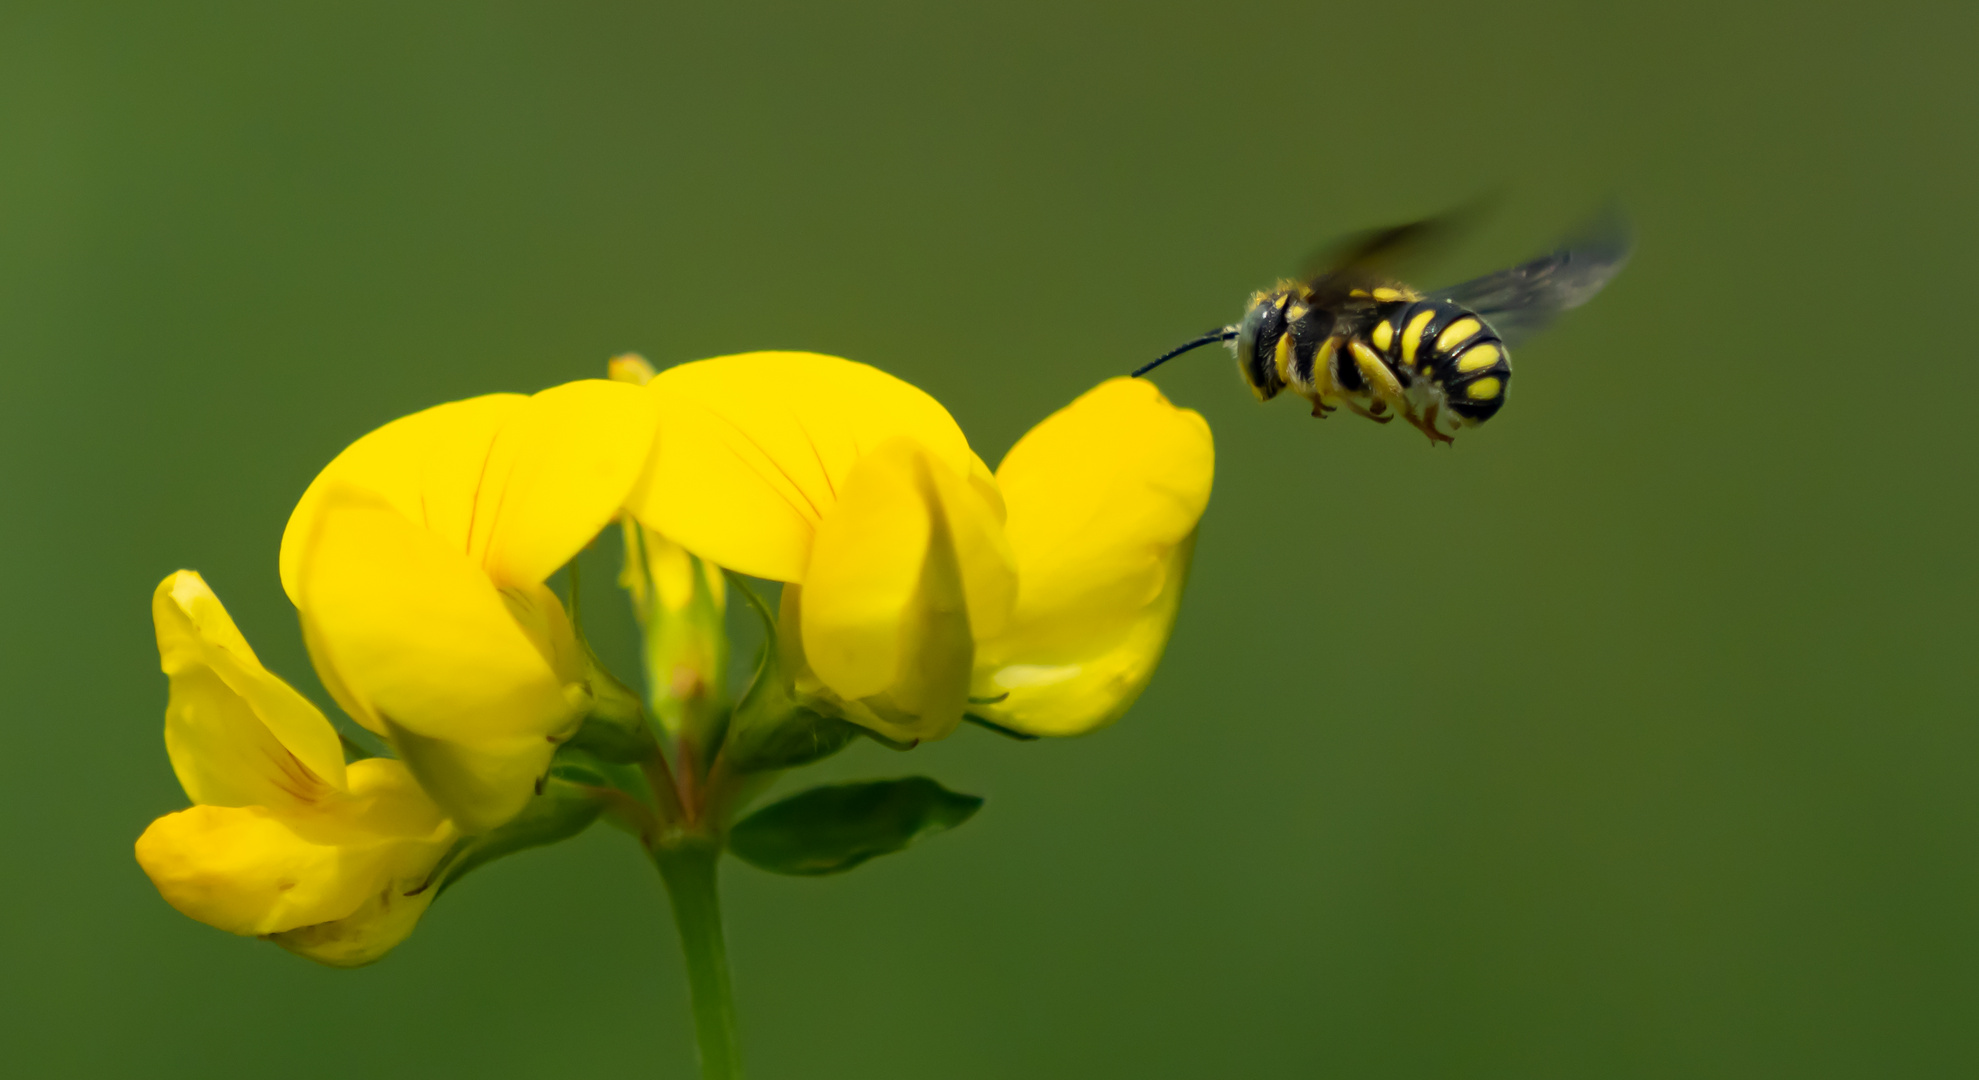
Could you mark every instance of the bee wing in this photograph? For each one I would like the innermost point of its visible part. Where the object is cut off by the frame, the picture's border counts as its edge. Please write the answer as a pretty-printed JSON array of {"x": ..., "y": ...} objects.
[
  {"x": 1522, "y": 300},
  {"x": 1377, "y": 257}
]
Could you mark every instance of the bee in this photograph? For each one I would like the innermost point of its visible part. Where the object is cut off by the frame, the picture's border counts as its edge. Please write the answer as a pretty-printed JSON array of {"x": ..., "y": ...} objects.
[{"x": 1348, "y": 334}]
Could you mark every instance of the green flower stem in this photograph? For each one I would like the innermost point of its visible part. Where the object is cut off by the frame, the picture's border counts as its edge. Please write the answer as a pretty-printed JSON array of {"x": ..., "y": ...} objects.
[{"x": 688, "y": 868}]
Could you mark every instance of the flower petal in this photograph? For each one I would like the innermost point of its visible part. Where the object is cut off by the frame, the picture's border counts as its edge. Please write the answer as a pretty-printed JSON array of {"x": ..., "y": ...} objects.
[
  {"x": 1072, "y": 698},
  {"x": 754, "y": 450},
  {"x": 421, "y": 643},
  {"x": 906, "y": 563},
  {"x": 556, "y": 474},
  {"x": 411, "y": 837},
  {"x": 237, "y": 734},
  {"x": 1099, "y": 494},
  {"x": 1103, "y": 500},
  {"x": 427, "y": 466},
  {"x": 252, "y": 870},
  {"x": 246, "y": 870},
  {"x": 364, "y": 936},
  {"x": 519, "y": 483}
]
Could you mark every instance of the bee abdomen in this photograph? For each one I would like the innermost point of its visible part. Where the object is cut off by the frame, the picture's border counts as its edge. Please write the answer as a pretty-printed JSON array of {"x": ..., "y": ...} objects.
[{"x": 1452, "y": 347}]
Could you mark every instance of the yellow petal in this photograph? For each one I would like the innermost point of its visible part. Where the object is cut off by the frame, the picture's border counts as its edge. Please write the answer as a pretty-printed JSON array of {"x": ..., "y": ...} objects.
[
  {"x": 518, "y": 483},
  {"x": 557, "y": 473},
  {"x": 245, "y": 870},
  {"x": 420, "y": 642},
  {"x": 251, "y": 870},
  {"x": 909, "y": 561},
  {"x": 1075, "y": 697},
  {"x": 755, "y": 449},
  {"x": 539, "y": 612},
  {"x": 427, "y": 466},
  {"x": 483, "y": 782},
  {"x": 1098, "y": 496},
  {"x": 1103, "y": 499},
  {"x": 237, "y": 734},
  {"x": 364, "y": 936},
  {"x": 387, "y": 801},
  {"x": 941, "y": 679},
  {"x": 412, "y": 836}
]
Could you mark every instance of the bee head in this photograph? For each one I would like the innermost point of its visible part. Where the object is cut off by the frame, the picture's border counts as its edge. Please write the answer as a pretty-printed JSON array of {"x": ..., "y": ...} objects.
[{"x": 1258, "y": 334}]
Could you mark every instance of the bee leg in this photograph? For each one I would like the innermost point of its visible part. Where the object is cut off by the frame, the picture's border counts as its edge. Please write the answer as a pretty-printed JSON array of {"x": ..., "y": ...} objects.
[
  {"x": 1374, "y": 414},
  {"x": 1427, "y": 425},
  {"x": 1321, "y": 412},
  {"x": 1382, "y": 384}
]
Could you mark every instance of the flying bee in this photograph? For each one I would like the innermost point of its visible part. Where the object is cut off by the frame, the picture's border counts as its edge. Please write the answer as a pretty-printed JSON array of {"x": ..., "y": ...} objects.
[{"x": 1348, "y": 334}]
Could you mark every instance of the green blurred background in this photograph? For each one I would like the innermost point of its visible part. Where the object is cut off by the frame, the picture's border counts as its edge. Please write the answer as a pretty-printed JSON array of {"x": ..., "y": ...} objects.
[{"x": 1628, "y": 739}]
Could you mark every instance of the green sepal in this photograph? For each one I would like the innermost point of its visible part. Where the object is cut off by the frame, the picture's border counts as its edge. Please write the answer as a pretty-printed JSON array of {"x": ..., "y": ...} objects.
[
  {"x": 894, "y": 745},
  {"x": 991, "y": 725},
  {"x": 626, "y": 798},
  {"x": 616, "y": 727},
  {"x": 831, "y": 829},
  {"x": 561, "y": 810},
  {"x": 769, "y": 730},
  {"x": 800, "y": 738}
]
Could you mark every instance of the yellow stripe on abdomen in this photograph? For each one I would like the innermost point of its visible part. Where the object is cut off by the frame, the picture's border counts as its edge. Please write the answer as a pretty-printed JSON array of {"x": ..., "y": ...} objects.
[
  {"x": 1477, "y": 358},
  {"x": 1456, "y": 333},
  {"x": 1412, "y": 337}
]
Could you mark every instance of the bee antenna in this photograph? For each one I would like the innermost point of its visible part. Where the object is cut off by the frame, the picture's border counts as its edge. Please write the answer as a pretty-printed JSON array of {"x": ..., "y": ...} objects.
[{"x": 1224, "y": 333}]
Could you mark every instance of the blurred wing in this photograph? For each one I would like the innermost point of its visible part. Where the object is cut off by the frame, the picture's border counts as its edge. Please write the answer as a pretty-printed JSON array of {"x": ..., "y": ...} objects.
[
  {"x": 1523, "y": 300},
  {"x": 1378, "y": 257}
]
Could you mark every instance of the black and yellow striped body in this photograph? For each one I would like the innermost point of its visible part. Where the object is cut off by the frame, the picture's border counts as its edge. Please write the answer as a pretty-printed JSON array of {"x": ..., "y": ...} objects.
[
  {"x": 1382, "y": 353},
  {"x": 1350, "y": 335}
]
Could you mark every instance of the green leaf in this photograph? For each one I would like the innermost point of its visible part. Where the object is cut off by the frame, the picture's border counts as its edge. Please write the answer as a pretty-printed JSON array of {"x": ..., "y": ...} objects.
[{"x": 834, "y": 828}]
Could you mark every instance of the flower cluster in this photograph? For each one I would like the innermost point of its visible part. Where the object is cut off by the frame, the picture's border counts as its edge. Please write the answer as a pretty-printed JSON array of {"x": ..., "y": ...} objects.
[{"x": 919, "y": 589}]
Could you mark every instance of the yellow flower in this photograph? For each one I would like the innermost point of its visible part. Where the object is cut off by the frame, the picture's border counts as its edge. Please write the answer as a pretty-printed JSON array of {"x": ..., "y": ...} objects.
[
  {"x": 417, "y": 560},
  {"x": 284, "y": 840},
  {"x": 1104, "y": 497},
  {"x": 908, "y": 583}
]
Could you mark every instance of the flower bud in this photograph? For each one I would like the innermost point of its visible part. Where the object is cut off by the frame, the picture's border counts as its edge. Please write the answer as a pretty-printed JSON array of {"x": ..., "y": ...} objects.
[
  {"x": 630, "y": 368},
  {"x": 681, "y": 601}
]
